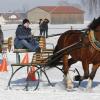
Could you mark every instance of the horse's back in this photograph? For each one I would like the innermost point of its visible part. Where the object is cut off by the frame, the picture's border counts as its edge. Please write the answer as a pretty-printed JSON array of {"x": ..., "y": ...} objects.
[{"x": 67, "y": 38}]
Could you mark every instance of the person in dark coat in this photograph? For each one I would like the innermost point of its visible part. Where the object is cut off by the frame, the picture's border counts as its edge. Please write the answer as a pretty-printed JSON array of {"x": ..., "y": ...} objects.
[
  {"x": 45, "y": 27},
  {"x": 40, "y": 27},
  {"x": 24, "y": 39},
  {"x": 1, "y": 39}
]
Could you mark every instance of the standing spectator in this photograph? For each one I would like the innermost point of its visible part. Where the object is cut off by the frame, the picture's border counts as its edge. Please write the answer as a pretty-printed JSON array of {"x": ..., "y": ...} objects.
[
  {"x": 45, "y": 27},
  {"x": 40, "y": 26},
  {"x": 24, "y": 39},
  {"x": 1, "y": 39}
]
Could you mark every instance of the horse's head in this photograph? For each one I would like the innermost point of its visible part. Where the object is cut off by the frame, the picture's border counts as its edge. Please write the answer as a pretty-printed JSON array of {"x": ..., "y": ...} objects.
[
  {"x": 95, "y": 25},
  {"x": 94, "y": 33}
]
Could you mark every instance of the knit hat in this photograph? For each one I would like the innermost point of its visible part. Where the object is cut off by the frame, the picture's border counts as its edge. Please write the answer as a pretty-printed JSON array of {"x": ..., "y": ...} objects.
[{"x": 26, "y": 21}]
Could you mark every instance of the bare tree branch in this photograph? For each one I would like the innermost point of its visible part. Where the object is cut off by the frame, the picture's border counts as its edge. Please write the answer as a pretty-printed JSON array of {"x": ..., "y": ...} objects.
[{"x": 92, "y": 6}]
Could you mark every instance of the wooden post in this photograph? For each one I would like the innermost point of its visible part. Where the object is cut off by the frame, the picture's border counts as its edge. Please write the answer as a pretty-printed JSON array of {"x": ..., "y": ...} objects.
[{"x": 42, "y": 42}]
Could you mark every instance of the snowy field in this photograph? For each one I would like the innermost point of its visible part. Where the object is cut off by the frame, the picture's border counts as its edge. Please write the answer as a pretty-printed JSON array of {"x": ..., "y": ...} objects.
[{"x": 45, "y": 92}]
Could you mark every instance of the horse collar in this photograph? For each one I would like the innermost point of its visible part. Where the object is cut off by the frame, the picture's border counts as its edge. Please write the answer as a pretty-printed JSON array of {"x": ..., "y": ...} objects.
[{"x": 93, "y": 41}]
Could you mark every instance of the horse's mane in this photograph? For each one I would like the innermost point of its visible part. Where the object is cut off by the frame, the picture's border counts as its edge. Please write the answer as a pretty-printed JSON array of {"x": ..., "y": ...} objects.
[{"x": 94, "y": 23}]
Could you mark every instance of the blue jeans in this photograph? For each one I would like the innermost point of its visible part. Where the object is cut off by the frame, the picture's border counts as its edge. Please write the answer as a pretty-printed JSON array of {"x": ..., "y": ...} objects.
[{"x": 27, "y": 45}]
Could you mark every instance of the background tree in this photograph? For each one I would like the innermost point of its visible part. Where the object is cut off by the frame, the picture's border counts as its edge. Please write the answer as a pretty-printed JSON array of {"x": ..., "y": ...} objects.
[{"x": 93, "y": 6}]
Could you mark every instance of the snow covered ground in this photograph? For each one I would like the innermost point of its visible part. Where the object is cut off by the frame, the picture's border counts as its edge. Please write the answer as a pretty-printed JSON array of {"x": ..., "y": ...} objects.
[{"x": 45, "y": 91}]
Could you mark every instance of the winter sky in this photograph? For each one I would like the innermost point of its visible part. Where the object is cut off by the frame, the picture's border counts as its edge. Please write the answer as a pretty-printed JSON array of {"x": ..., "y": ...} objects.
[{"x": 10, "y": 5}]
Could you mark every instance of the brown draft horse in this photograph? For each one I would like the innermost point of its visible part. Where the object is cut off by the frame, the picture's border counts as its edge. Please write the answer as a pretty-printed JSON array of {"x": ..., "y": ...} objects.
[{"x": 87, "y": 54}]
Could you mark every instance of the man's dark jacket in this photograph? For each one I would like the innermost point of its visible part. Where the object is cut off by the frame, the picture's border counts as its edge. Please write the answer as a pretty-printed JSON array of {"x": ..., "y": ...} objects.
[{"x": 23, "y": 33}]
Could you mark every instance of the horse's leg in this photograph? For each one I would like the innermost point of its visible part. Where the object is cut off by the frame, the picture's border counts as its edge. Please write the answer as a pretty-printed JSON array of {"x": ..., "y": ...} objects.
[
  {"x": 91, "y": 77},
  {"x": 67, "y": 78},
  {"x": 71, "y": 61},
  {"x": 86, "y": 71}
]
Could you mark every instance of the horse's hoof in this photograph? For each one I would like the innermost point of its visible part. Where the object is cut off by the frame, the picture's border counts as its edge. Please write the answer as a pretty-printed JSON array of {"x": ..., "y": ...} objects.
[{"x": 70, "y": 86}]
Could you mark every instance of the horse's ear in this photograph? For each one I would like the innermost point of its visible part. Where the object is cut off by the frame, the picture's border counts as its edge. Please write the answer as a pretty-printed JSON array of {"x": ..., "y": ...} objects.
[
  {"x": 99, "y": 18},
  {"x": 91, "y": 24},
  {"x": 94, "y": 19},
  {"x": 97, "y": 21}
]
